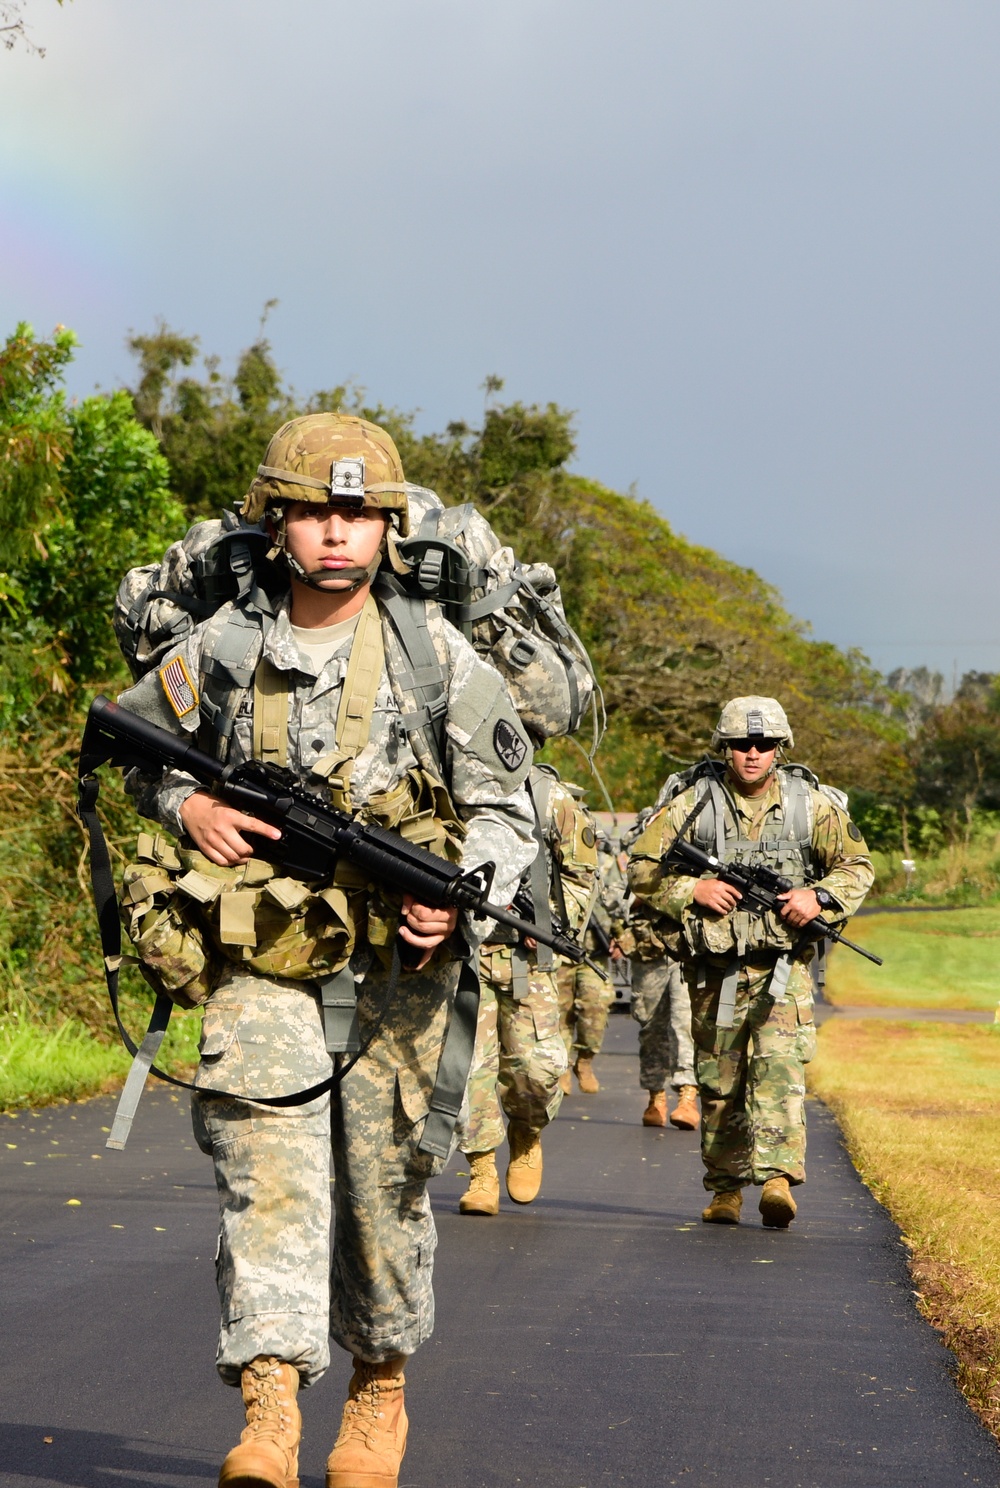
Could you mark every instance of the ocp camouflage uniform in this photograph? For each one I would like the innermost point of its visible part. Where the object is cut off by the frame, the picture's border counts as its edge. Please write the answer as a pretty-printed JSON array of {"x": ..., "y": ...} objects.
[
  {"x": 585, "y": 998},
  {"x": 263, "y": 1033},
  {"x": 520, "y": 1053},
  {"x": 751, "y": 1076}
]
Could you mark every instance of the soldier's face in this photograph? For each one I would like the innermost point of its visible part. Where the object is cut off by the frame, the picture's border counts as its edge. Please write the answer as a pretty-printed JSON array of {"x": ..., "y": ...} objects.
[
  {"x": 751, "y": 762},
  {"x": 334, "y": 544}
]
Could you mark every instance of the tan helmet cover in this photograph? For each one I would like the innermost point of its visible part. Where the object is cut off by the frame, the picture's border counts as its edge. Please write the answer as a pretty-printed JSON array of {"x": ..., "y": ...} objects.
[
  {"x": 750, "y": 717},
  {"x": 326, "y": 458}
]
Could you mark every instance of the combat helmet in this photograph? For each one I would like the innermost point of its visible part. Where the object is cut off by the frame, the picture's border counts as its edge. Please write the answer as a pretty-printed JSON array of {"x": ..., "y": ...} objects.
[
  {"x": 752, "y": 717},
  {"x": 330, "y": 458}
]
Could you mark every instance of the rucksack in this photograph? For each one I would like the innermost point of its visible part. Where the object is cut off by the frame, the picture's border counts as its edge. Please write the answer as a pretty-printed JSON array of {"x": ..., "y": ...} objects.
[
  {"x": 795, "y": 781},
  {"x": 511, "y": 612}
]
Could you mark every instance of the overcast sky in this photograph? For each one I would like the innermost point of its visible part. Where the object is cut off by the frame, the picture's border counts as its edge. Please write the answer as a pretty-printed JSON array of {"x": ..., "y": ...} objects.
[{"x": 753, "y": 243}]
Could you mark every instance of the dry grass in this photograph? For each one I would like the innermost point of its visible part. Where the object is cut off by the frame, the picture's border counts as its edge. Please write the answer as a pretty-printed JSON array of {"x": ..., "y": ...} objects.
[{"x": 919, "y": 1106}]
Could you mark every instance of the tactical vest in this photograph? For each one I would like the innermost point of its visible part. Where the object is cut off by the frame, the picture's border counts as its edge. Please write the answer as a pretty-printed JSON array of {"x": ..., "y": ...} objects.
[{"x": 187, "y": 915}]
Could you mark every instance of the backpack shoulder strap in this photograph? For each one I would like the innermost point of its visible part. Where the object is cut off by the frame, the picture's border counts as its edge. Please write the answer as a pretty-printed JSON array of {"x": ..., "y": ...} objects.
[
  {"x": 424, "y": 681},
  {"x": 797, "y": 784},
  {"x": 228, "y": 662}
]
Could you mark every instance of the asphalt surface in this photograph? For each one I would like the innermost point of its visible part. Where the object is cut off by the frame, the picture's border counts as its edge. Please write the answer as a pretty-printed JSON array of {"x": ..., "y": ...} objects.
[{"x": 601, "y": 1336}]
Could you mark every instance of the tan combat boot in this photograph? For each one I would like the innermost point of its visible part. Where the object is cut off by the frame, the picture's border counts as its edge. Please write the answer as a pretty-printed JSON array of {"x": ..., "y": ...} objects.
[
  {"x": 685, "y": 1113},
  {"x": 268, "y": 1453},
  {"x": 586, "y": 1078},
  {"x": 566, "y": 1083},
  {"x": 524, "y": 1171},
  {"x": 372, "y": 1439},
  {"x": 655, "y": 1113},
  {"x": 777, "y": 1206},
  {"x": 724, "y": 1208},
  {"x": 483, "y": 1193}
]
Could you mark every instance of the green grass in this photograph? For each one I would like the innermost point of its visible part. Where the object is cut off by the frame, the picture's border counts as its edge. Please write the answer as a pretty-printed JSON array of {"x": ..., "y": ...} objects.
[
  {"x": 41, "y": 1065},
  {"x": 949, "y": 959}
]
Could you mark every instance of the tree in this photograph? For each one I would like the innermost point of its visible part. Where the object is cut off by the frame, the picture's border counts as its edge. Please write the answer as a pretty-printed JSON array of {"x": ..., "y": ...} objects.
[
  {"x": 14, "y": 29},
  {"x": 956, "y": 755},
  {"x": 673, "y": 629},
  {"x": 84, "y": 492}
]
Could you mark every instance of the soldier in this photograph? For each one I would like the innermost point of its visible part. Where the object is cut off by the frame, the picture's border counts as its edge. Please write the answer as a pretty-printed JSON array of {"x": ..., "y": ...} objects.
[
  {"x": 585, "y": 997},
  {"x": 661, "y": 1005},
  {"x": 748, "y": 974},
  {"x": 519, "y": 1048},
  {"x": 322, "y": 678}
]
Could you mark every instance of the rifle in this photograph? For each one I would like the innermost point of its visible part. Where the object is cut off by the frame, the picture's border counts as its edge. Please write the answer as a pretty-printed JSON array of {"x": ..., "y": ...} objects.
[
  {"x": 314, "y": 835},
  {"x": 758, "y": 885},
  {"x": 524, "y": 905}
]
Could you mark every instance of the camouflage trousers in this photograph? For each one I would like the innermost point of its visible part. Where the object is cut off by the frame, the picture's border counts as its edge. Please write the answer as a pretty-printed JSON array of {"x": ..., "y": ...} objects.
[
  {"x": 661, "y": 1006},
  {"x": 751, "y": 1077},
  {"x": 584, "y": 1004},
  {"x": 281, "y": 1290},
  {"x": 519, "y": 1054}
]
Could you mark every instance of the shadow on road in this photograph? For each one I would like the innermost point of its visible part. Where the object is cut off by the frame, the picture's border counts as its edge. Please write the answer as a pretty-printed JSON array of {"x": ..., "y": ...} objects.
[{"x": 86, "y": 1459}]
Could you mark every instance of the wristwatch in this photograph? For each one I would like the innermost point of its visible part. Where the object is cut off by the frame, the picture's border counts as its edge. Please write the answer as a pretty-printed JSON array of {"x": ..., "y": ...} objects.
[{"x": 827, "y": 901}]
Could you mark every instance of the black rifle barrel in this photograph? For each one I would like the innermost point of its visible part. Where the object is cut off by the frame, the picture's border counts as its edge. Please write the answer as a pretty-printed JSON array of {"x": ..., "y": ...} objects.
[{"x": 314, "y": 834}]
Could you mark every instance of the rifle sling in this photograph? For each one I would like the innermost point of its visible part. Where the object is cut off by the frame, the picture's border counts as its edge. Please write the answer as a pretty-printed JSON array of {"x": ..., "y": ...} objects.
[{"x": 539, "y": 877}]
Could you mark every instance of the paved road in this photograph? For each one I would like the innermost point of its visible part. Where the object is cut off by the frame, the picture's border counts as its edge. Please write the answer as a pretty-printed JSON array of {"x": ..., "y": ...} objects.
[{"x": 601, "y": 1337}]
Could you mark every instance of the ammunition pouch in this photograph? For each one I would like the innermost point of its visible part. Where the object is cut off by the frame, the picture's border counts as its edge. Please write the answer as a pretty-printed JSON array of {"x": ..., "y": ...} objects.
[{"x": 187, "y": 917}]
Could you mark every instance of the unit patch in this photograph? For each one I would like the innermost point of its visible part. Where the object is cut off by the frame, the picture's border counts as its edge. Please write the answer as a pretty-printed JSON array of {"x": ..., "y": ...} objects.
[
  {"x": 853, "y": 831},
  {"x": 589, "y": 837},
  {"x": 182, "y": 695},
  {"x": 510, "y": 747}
]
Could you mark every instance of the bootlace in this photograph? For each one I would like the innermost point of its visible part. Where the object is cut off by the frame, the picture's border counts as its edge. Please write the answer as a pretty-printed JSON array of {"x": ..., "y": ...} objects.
[
  {"x": 267, "y": 1411},
  {"x": 482, "y": 1176},
  {"x": 362, "y": 1412},
  {"x": 525, "y": 1148}
]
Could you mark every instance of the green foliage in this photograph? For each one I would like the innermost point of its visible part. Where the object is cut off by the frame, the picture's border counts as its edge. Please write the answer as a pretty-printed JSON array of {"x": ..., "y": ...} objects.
[
  {"x": 85, "y": 495},
  {"x": 213, "y": 431},
  {"x": 34, "y": 437}
]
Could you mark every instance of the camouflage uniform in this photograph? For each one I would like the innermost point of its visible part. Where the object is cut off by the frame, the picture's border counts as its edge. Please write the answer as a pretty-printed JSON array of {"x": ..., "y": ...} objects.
[
  {"x": 585, "y": 998},
  {"x": 520, "y": 1052},
  {"x": 661, "y": 1005},
  {"x": 751, "y": 1076},
  {"x": 264, "y": 1034}
]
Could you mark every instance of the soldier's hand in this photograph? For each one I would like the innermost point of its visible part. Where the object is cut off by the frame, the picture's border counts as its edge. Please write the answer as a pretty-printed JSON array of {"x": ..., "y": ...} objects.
[
  {"x": 721, "y": 898},
  {"x": 215, "y": 829},
  {"x": 801, "y": 906},
  {"x": 426, "y": 925},
  {"x": 616, "y": 953}
]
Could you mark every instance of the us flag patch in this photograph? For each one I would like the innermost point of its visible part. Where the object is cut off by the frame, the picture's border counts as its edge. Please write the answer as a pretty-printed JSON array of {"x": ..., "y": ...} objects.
[{"x": 181, "y": 692}]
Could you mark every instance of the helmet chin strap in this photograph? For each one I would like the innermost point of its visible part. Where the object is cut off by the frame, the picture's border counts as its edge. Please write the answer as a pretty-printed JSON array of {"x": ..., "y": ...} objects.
[{"x": 317, "y": 580}]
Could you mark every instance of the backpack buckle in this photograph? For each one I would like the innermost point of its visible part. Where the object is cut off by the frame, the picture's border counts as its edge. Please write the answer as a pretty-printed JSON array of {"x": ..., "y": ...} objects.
[
  {"x": 523, "y": 652},
  {"x": 430, "y": 570}
]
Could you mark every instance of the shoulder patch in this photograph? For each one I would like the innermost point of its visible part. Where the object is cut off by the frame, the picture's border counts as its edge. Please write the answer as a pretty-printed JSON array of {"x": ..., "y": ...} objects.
[
  {"x": 510, "y": 747},
  {"x": 589, "y": 837},
  {"x": 182, "y": 695},
  {"x": 854, "y": 831}
]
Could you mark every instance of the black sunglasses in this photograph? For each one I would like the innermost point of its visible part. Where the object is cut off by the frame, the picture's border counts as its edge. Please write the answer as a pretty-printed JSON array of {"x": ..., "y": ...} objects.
[{"x": 744, "y": 746}]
